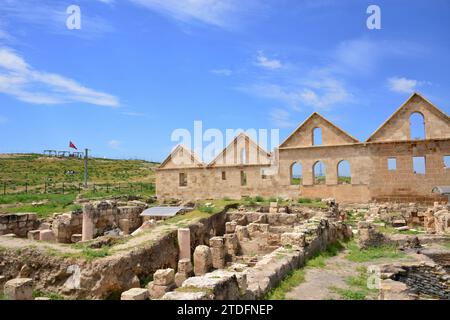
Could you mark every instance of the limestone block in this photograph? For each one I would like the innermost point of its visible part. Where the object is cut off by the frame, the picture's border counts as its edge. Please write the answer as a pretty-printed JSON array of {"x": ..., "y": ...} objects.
[
  {"x": 45, "y": 226},
  {"x": 293, "y": 239},
  {"x": 230, "y": 227},
  {"x": 76, "y": 237},
  {"x": 19, "y": 289},
  {"x": 202, "y": 260},
  {"x": 242, "y": 232},
  {"x": 223, "y": 285},
  {"x": 33, "y": 234},
  {"x": 156, "y": 291},
  {"x": 180, "y": 277},
  {"x": 164, "y": 277},
  {"x": 217, "y": 245},
  {"x": 185, "y": 266},
  {"x": 47, "y": 235},
  {"x": 175, "y": 295},
  {"x": 124, "y": 225},
  {"x": 184, "y": 243},
  {"x": 231, "y": 244},
  {"x": 273, "y": 208},
  {"x": 135, "y": 294}
]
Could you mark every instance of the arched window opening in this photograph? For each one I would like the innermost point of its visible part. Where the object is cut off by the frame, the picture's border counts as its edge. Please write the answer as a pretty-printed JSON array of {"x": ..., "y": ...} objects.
[
  {"x": 319, "y": 173},
  {"x": 344, "y": 173},
  {"x": 317, "y": 137},
  {"x": 296, "y": 173},
  {"x": 417, "y": 126}
]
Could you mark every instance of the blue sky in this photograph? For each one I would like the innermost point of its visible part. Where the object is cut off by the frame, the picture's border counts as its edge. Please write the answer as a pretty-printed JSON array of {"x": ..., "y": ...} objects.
[{"x": 139, "y": 69}]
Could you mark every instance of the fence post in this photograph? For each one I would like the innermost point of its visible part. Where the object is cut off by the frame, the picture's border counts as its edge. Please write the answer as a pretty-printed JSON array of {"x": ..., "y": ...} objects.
[
  {"x": 45, "y": 187},
  {"x": 63, "y": 188},
  {"x": 26, "y": 187},
  {"x": 94, "y": 187},
  {"x": 4, "y": 188}
]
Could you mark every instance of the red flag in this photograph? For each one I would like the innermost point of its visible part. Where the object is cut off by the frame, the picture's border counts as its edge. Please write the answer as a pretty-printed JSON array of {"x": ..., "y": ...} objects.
[{"x": 71, "y": 145}]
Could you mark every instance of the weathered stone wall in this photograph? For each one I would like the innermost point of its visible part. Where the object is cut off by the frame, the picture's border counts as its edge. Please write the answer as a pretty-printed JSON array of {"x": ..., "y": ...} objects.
[
  {"x": 370, "y": 177},
  {"x": 103, "y": 277},
  {"x": 19, "y": 224},
  {"x": 426, "y": 278}
]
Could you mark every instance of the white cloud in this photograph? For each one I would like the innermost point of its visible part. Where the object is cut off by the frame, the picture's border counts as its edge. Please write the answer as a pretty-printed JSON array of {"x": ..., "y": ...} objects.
[
  {"x": 114, "y": 144},
  {"x": 402, "y": 85},
  {"x": 264, "y": 62},
  {"x": 281, "y": 118},
  {"x": 19, "y": 79},
  {"x": 220, "y": 13},
  {"x": 222, "y": 72},
  {"x": 319, "y": 94},
  {"x": 136, "y": 114}
]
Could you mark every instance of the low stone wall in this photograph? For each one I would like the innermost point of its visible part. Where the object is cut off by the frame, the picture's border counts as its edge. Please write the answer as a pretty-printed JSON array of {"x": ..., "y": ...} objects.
[
  {"x": 429, "y": 279},
  {"x": 108, "y": 215},
  {"x": 103, "y": 277},
  {"x": 19, "y": 224},
  {"x": 410, "y": 280},
  {"x": 239, "y": 281}
]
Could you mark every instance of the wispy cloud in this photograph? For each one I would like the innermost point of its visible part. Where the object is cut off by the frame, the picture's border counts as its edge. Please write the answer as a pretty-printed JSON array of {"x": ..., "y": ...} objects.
[
  {"x": 220, "y": 13},
  {"x": 267, "y": 63},
  {"x": 281, "y": 118},
  {"x": 321, "y": 93},
  {"x": 222, "y": 72},
  {"x": 403, "y": 85},
  {"x": 114, "y": 144},
  {"x": 135, "y": 114},
  {"x": 19, "y": 79}
]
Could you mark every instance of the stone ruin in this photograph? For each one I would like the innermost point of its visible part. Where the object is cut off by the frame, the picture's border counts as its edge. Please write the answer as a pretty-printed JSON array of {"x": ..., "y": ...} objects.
[
  {"x": 240, "y": 253},
  {"x": 96, "y": 219},
  {"x": 254, "y": 254}
]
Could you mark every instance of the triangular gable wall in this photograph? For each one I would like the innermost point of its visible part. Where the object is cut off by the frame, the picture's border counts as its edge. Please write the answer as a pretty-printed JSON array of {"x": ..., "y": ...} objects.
[
  {"x": 241, "y": 151},
  {"x": 397, "y": 126},
  {"x": 331, "y": 134},
  {"x": 181, "y": 157}
]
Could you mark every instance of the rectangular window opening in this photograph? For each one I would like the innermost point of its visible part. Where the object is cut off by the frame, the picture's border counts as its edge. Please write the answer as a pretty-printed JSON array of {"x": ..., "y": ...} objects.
[
  {"x": 224, "y": 175},
  {"x": 419, "y": 165},
  {"x": 243, "y": 178},
  {"x": 183, "y": 179},
  {"x": 392, "y": 164},
  {"x": 447, "y": 162}
]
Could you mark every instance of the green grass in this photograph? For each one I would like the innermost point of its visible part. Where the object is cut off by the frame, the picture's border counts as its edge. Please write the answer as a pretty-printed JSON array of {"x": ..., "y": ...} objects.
[
  {"x": 446, "y": 245},
  {"x": 51, "y": 295},
  {"x": 392, "y": 230},
  {"x": 373, "y": 253},
  {"x": 296, "y": 181},
  {"x": 296, "y": 277},
  {"x": 54, "y": 203},
  {"x": 357, "y": 287},
  {"x": 36, "y": 169},
  {"x": 349, "y": 294}
]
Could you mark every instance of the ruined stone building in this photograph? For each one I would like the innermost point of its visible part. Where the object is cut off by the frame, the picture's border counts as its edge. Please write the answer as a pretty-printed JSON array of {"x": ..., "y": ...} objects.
[{"x": 389, "y": 166}]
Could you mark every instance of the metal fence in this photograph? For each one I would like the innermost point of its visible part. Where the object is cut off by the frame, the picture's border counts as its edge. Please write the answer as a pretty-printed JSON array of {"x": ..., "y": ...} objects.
[{"x": 50, "y": 187}]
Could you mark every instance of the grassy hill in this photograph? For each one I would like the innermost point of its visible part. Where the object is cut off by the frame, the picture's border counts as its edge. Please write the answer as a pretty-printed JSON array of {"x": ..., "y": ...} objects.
[
  {"x": 33, "y": 183},
  {"x": 36, "y": 170}
]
